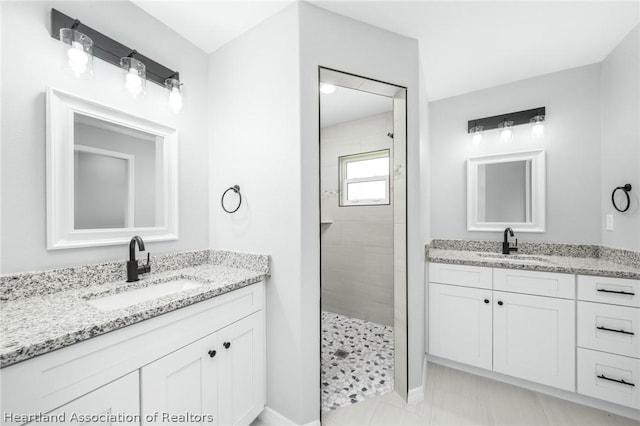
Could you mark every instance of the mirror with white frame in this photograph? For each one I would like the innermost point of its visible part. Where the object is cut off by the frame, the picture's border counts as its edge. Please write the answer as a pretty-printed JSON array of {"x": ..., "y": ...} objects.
[
  {"x": 506, "y": 190},
  {"x": 110, "y": 175}
]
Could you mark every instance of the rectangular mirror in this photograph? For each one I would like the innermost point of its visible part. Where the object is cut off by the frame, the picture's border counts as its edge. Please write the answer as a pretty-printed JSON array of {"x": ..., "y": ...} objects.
[
  {"x": 110, "y": 175},
  {"x": 506, "y": 190}
]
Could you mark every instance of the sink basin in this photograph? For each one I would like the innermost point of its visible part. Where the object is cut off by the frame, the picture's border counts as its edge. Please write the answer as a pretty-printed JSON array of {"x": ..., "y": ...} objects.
[
  {"x": 514, "y": 258},
  {"x": 144, "y": 294}
]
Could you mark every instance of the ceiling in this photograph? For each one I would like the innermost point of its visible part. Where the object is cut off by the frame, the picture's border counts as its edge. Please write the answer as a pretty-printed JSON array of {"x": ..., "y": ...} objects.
[
  {"x": 348, "y": 104},
  {"x": 464, "y": 46}
]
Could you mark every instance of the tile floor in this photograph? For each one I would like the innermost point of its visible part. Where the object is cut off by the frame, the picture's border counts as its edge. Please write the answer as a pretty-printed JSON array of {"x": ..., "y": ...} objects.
[
  {"x": 357, "y": 360},
  {"x": 454, "y": 397}
]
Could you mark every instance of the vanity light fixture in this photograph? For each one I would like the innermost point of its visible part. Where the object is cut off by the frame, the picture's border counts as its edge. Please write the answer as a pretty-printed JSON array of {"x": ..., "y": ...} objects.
[
  {"x": 134, "y": 74},
  {"x": 327, "y": 88},
  {"x": 537, "y": 126},
  {"x": 175, "y": 94},
  {"x": 88, "y": 43},
  {"x": 476, "y": 134},
  {"x": 506, "y": 131},
  {"x": 78, "y": 54},
  {"x": 506, "y": 122}
]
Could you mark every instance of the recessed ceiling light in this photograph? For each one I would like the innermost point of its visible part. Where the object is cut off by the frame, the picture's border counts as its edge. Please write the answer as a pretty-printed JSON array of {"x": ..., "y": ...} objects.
[{"x": 327, "y": 88}]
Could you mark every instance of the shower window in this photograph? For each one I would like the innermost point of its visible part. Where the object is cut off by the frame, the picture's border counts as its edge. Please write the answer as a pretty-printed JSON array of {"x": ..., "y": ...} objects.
[{"x": 364, "y": 179}]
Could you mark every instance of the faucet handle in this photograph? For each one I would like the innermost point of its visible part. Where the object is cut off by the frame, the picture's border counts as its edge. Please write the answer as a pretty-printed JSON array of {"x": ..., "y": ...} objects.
[{"x": 149, "y": 255}]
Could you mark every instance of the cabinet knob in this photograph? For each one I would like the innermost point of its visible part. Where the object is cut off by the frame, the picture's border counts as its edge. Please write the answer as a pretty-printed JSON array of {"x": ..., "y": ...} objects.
[
  {"x": 486, "y": 300},
  {"x": 226, "y": 345},
  {"x": 212, "y": 353},
  {"x": 500, "y": 302}
]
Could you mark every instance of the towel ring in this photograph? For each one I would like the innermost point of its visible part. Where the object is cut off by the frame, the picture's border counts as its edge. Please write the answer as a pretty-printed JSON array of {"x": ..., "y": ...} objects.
[
  {"x": 236, "y": 189},
  {"x": 626, "y": 188}
]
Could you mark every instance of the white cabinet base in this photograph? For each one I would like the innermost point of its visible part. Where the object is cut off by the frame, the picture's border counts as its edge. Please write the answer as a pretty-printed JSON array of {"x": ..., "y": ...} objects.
[
  {"x": 460, "y": 324},
  {"x": 116, "y": 403},
  {"x": 537, "y": 387},
  {"x": 601, "y": 375},
  {"x": 534, "y": 338}
]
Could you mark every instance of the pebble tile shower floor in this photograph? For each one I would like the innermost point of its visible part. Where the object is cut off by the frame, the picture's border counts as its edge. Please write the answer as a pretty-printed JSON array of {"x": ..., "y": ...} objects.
[{"x": 367, "y": 368}]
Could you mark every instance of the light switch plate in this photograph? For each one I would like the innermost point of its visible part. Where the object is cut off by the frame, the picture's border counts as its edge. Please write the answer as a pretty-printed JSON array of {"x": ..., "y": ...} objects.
[{"x": 609, "y": 222}]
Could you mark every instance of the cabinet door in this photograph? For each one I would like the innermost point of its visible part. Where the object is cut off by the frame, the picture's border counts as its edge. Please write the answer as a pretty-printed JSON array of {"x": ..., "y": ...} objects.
[
  {"x": 182, "y": 383},
  {"x": 241, "y": 371},
  {"x": 534, "y": 338},
  {"x": 460, "y": 324},
  {"x": 120, "y": 399}
]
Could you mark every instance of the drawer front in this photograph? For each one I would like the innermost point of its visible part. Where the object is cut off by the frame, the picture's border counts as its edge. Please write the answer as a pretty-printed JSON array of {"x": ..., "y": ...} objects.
[
  {"x": 617, "y": 291},
  {"x": 613, "y": 378},
  {"x": 465, "y": 275},
  {"x": 609, "y": 328},
  {"x": 534, "y": 282}
]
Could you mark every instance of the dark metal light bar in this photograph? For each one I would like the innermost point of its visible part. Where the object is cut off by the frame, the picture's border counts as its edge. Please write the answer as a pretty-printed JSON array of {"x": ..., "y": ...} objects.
[
  {"x": 110, "y": 50},
  {"x": 520, "y": 117}
]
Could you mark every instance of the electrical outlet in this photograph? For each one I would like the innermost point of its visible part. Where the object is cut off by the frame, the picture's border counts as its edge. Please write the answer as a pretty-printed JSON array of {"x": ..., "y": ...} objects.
[{"x": 610, "y": 222}]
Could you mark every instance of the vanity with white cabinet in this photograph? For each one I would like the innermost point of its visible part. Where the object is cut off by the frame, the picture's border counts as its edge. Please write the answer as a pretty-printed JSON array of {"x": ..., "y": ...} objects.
[
  {"x": 519, "y": 323},
  {"x": 203, "y": 358},
  {"x": 556, "y": 327}
]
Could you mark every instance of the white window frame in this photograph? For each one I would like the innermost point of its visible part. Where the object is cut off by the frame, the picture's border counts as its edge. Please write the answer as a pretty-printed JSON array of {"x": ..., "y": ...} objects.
[{"x": 344, "y": 182}]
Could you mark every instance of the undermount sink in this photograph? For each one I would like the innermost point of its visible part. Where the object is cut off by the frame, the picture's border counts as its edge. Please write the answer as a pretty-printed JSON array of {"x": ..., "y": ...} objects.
[
  {"x": 514, "y": 258},
  {"x": 134, "y": 296}
]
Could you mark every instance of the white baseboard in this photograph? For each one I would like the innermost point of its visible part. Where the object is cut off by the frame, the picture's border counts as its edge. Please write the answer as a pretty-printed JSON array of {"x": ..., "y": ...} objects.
[
  {"x": 415, "y": 395},
  {"x": 272, "y": 417}
]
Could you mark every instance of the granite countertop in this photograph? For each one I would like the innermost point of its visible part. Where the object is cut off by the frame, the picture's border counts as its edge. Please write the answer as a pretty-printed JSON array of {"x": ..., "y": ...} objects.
[
  {"x": 40, "y": 323},
  {"x": 536, "y": 262}
]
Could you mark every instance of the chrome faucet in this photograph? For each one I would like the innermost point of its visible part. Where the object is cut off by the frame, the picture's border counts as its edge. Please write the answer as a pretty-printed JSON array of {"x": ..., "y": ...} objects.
[
  {"x": 506, "y": 247},
  {"x": 132, "y": 264}
]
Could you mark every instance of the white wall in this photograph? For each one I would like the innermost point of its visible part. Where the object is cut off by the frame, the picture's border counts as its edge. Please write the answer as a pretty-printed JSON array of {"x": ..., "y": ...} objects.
[
  {"x": 621, "y": 140},
  {"x": 31, "y": 61},
  {"x": 357, "y": 247},
  {"x": 572, "y": 145},
  {"x": 254, "y": 133}
]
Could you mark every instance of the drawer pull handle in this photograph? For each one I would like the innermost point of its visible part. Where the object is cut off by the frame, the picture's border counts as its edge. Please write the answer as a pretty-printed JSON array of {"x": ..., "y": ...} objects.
[
  {"x": 604, "y": 290},
  {"x": 621, "y": 381},
  {"x": 616, "y": 331}
]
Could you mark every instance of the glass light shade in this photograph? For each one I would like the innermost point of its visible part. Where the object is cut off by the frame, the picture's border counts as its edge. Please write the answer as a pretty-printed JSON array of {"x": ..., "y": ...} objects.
[
  {"x": 134, "y": 76},
  {"x": 327, "y": 88},
  {"x": 77, "y": 52},
  {"x": 175, "y": 93},
  {"x": 476, "y": 134},
  {"x": 506, "y": 131},
  {"x": 537, "y": 126}
]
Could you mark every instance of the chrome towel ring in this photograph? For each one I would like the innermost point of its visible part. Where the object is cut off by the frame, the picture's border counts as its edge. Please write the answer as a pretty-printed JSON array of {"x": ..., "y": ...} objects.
[
  {"x": 626, "y": 188},
  {"x": 236, "y": 189}
]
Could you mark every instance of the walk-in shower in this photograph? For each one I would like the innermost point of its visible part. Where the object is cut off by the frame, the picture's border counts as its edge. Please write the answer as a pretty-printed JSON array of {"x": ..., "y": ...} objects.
[{"x": 363, "y": 238}]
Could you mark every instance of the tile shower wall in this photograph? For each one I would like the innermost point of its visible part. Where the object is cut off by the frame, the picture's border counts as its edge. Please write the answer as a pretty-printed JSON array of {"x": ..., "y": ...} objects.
[{"x": 357, "y": 247}]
